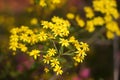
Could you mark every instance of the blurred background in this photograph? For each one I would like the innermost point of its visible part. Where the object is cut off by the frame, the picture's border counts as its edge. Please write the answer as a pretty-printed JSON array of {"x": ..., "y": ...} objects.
[{"x": 99, "y": 64}]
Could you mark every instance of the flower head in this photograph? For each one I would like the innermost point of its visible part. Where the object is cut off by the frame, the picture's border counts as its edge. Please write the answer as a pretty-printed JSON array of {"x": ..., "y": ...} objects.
[
  {"x": 51, "y": 52},
  {"x": 34, "y": 53},
  {"x": 46, "y": 70},
  {"x": 54, "y": 62},
  {"x": 64, "y": 42},
  {"x": 58, "y": 70},
  {"x": 46, "y": 59}
]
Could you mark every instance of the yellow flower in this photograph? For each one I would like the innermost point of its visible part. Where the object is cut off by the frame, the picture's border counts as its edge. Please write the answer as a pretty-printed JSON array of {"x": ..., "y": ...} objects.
[
  {"x": 34, "y": 53},
  {"x": 14, "y": 53},
  {"x": 14, "y": 30},
  {"x": 72, "y": 39},
  {"x": 60, "y": 21},
  {"x": 46, "y": 59},
  {"x": 99, "y": 6},
  {"x": 81, "y": 53},
  {"x": 46, "y": 70},
  {"x": 70, "y": 16},
  {"x": 79, "y": 21},
  {"x": 51, "y": 52},
  {"x": 13, "y": 46},
  {"x": 50, "y": 36},
  {"x": 77, "y": 45},
  {"x": 58, "y": 26},
  {"x": 75, "y": 64},
  {"x": 84, "y": 46},
  {"x": 98, "y": 21},
  {"x": 108, "y": 18},
  {"x": 118, "y": 32},
  {"x": 47, "y": 24},
  {"x": 22, "y": 47},
  {"x": 42, "y": 3},
  {"x": 29, "y": 32},
  {"x": 14, "y": 38},
  {"x": 89, "y": 12},
  {"x": 34, "y": 21},
  {"x": 90, "y": 26},
  {"x": 54, "y": 62},
  {"x": 58, "y": 70},
  {"x": 110, "y": 35},
  {"x": 106, "y": 7},
  {"x": 78, "y": 58},
  {"x": 23, "y": 28},
  {"x": 64, "y": 42},
  {"x": 25, "y": 38},
  {"x": 56, "y": 1},
  {"x": 112, "y": 26},
  {"x": 115, "y": 13},
  {"x": 58, "y": 30},
  {"x": 42, "y": 36},
  {"x": 33, "y": 39}
]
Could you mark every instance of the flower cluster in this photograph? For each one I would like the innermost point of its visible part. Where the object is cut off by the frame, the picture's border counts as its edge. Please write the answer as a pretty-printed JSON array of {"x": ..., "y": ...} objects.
[
  {"x": 108, "y": 10},
  {"x": 45, "y": 3},
  {"x": 49, "y": 58},
  {"x": 56, "y": 25},
  {"x": 54, "y": 37},
  {"x": 80, "y": 49}
]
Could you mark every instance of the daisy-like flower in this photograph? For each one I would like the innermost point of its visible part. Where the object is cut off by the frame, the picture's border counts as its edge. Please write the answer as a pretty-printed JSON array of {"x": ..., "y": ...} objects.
[
  {"x": 54, "y": 62},
  {"x": 42, "y": 36},
  {"x": 46, "y": 70},
  {"x": 34, "y": 53},
  {"x": 51, "y": 52},
  {"x": 58, "y": 70},
  {"x": 46, "y": 59},
  {"x": 64, "y": 42},
  {"x": 84, "y": 46}
]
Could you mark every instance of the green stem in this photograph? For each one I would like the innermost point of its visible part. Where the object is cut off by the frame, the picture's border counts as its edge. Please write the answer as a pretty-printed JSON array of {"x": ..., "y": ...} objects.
[
  {"x": 55, "y": 46},
  {"x": 68, "y": 52},
  {"x": 61, "y": 50}
]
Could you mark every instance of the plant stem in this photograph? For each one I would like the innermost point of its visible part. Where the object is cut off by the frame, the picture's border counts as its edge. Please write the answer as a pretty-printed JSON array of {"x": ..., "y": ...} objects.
[
  {"x": 55, "y": 46},
  {"x": 116, "y": 58}
]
